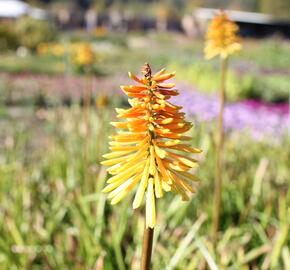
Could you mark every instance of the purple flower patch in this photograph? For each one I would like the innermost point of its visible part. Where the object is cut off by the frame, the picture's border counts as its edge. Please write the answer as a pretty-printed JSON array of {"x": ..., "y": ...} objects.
[{"x": 258, "y": 118}]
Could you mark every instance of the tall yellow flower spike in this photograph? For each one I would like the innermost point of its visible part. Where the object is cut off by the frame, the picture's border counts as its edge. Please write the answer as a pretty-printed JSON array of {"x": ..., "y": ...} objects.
[
  {"x": 146, "y": 155},
  {"x": 221, "y": 37}
]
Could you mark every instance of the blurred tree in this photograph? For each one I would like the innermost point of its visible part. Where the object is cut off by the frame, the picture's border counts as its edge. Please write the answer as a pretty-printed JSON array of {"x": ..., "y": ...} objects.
[
  {"x": 279, "y": 8},
  {"x": 30, "y": 32}
]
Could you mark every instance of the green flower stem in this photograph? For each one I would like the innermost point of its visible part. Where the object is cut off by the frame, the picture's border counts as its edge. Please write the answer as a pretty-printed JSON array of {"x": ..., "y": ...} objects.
[
  {"x": 219, "y": 151},
  {"x": 86, "y": 114}
]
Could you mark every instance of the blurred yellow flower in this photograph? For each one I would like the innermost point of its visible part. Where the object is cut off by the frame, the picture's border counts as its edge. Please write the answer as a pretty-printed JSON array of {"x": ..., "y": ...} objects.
[
  {"x": 57, "y": 50},
  {"x": 221, "y": 37},
  {"x": 43, "y": 48},
  {"x": 146, "y": 155},
  {"x": 83, "y": 54},
  {"x": 99, "y": 31},
  {"x": 101, "y": 100}
]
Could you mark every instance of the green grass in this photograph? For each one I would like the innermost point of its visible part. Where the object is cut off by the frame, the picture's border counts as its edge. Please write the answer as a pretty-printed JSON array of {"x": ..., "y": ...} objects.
[
  {"x": 54, "y": 216},
  {"x": 32, "y": 63},
  {"x": 51, "y": 218},
  {"x": 267, "y": 53}
]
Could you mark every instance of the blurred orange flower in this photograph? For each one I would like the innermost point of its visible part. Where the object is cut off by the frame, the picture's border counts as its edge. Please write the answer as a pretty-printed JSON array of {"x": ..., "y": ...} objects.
[{"x": 146, "y": 155}]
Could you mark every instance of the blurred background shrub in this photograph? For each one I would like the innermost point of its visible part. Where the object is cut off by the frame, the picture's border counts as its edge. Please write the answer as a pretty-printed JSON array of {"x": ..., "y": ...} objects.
[
  {"x": 30, "y": 32},
  {"x": 26, "y": 32},
  {"x": 8, "y": 37},
  {"x": 246, "y": 85}
]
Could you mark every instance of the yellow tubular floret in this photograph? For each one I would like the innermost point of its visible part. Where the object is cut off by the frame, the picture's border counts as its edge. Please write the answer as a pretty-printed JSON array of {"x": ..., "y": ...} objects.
[
  {"x": 142, "y": 186},
  {"x": 157, "y": 185},
  {"x": 163, "y": 77},
  {"x": 160, "y": 152},
  {"x": 114, "y": 161},
  {"x": 160, "y": 72},
  {"x": 189, "y": 176},
  {"x": 128, "y": 184},
  {"x": 125, "y": 174},
  {"x": 152, "y": 161},
  {"x": 117, "y": 154},
  {"x": 182, "y": 182}
]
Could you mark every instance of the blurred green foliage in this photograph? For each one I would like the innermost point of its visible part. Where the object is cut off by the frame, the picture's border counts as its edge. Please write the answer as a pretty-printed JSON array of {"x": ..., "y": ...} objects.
[
  {"x": 31, "y": 32},
  {"x": 279, "y": 8},
  {"x": 247, "y": 85},
  {"x": 51, "y": 218},
  {"x": 8, "y": 39},
  {"x": 205, "y": 77},
  {"x": 26, "y": 32},
  {"x": 272, "y": 88},
  {"x": 32, "y": 63},
  {"x": 52, "y": 212},
  {"x": 259, "y": 71},
  {"x": 267, "y": 53}
]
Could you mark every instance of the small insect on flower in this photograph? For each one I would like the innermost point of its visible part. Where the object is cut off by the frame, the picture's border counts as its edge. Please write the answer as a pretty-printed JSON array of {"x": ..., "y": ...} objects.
[
  {"x": 145, "y": 154},
  {"x": 221, "y": 37}
]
